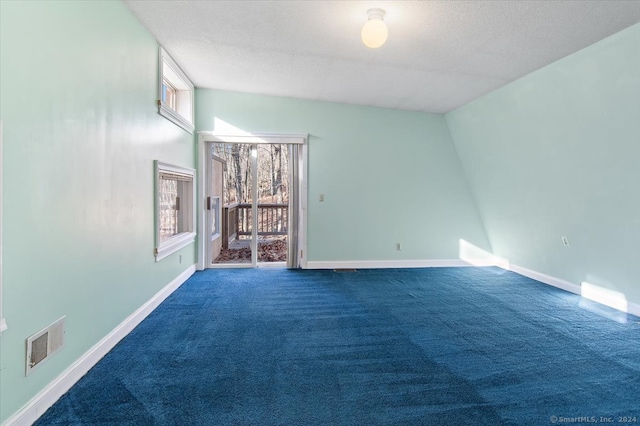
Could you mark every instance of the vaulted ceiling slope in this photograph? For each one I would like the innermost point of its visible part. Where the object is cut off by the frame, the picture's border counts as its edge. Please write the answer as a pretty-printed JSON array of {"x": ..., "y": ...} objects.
[{"x": 439, "y": 55}]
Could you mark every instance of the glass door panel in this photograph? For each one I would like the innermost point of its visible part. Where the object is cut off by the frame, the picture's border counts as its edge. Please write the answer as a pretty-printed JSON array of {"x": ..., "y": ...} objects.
[
  {"x": 252, "y": 208},
  {"x": 237, "y": 207},
  {"x": 272, "y": 202}
]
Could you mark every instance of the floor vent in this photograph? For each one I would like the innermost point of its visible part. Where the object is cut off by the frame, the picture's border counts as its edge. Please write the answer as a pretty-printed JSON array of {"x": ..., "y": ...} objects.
[
  {"x": 43, "y": 344},
  {"x": 345, "y": 270}
]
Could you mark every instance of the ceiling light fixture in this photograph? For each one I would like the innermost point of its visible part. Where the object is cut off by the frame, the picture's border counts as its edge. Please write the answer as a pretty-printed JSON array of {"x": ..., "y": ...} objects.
[{"x": 374, "y": 33}]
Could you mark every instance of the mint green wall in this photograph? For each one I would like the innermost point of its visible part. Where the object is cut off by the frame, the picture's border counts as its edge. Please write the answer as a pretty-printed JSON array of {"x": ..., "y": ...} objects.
[
  {"x": 388, "y": 176},
  {"x": 81, "y": 130},
  {"x": 558, "y": 153}
]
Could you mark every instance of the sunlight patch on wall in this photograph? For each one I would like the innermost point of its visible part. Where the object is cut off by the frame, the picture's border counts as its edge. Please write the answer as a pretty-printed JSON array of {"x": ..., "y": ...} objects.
[
  {"x": 476, "y": 256},
  {"x": 608, "y": 297},
  {"x": 228, "y": 133},
  {"x": 233, "y": 133},
  {"x": 221, "y": 126}
]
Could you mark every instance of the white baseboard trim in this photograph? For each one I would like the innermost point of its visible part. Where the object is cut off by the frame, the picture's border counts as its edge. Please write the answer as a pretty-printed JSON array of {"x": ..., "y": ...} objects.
[
  {"x": 546, "y": 279},
  {"x": 631, "y": 308},
  {"x": 382, "y": 264},
  {"x": 61, "y": 384}
]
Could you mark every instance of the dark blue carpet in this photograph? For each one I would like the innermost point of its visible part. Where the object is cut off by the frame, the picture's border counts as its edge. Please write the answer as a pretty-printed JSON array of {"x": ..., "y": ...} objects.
[{"x": 438, "y": 346}]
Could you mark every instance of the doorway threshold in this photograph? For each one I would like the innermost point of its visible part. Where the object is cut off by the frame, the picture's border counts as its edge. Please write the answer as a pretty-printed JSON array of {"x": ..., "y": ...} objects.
[
  {"x": 248, "y": 265},
  {"x": 272, "y": 264}
]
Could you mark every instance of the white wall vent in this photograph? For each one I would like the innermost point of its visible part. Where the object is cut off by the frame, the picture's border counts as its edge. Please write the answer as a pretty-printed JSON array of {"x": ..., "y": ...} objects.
[{"x": 43, "y": 344}]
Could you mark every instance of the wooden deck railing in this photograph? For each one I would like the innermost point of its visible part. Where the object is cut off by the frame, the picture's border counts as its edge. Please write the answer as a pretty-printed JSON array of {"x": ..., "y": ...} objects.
[{"x": 273, "y": 219}]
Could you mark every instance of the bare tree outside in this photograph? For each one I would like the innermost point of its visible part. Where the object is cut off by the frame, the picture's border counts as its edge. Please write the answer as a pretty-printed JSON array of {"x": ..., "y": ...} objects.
[{"x": 273, "y": 172}]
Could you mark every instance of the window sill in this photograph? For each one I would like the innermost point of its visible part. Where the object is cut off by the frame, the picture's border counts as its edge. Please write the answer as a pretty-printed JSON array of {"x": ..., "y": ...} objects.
[
  {"x": 176, "y": 118},
  {"x": 174, "y": 244}
]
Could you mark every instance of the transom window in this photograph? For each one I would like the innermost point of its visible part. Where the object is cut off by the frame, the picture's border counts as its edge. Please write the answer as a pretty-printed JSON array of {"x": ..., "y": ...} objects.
[{"x": 175, "y": 93}]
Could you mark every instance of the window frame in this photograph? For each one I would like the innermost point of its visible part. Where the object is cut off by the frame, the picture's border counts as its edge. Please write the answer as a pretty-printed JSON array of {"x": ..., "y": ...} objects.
[
  {"x": 182, "y": 112},
  {"x": 182, "y": 239},
  {"x": 3, "y": 322}
]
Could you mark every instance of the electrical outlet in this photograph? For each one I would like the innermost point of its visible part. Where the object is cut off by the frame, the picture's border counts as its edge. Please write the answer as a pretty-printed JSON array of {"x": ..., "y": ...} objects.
[
  {"x": 398, "y": 246},
  {"x": 565, "y": 241},
  {"x": 180, "y": 259},
  {"x": 322, "y": 198}
]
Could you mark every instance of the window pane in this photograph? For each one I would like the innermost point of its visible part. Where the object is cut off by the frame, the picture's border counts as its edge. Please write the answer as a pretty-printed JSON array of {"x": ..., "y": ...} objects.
[
  {"x": 168, "y": 214},
  {"x": 171, "y": 97},
  {"x": 169, "y": 94},
  {"x": 215, "y": 222}
]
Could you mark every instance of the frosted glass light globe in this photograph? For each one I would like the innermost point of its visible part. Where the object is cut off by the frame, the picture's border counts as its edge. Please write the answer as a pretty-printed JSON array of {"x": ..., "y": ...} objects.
[{"x": 374, "y": 32}]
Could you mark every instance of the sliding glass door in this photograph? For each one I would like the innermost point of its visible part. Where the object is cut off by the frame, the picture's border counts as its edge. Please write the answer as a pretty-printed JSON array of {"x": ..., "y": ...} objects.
[
  {"x": 259, "y": 206},
  {"x": 250, "y": 218}
]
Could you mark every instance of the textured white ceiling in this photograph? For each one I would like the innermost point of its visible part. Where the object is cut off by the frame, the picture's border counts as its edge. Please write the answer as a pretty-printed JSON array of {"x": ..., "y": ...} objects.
[{"x": 439, "y": 54}]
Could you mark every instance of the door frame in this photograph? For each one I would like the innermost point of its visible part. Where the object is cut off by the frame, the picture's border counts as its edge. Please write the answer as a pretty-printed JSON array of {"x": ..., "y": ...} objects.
[{"x": 203, "y": 154}]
